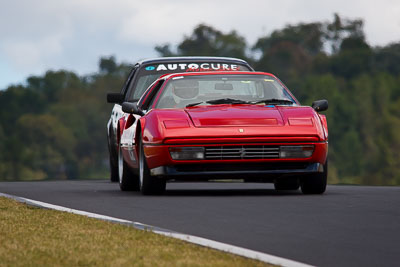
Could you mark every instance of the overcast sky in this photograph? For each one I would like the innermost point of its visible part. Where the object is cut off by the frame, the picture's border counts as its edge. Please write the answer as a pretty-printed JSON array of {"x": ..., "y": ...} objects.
[{"x": 38, "y": 35}]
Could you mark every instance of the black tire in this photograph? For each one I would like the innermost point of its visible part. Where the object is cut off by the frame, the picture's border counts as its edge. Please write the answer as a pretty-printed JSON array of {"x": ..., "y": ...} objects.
[
  {"x": 128, "y": 181},
  {"x": 287, "y": 184},
  {"x": 113, "y": 171},
  {"x": 149, "y": 185},
  {"x": 113, "y": 156},
  {"x": 315, "y": 183}
]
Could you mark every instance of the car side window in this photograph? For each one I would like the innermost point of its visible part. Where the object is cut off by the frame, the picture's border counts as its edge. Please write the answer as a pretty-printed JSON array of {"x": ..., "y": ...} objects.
[
  {"x": 129, "y": 81},
  {"x": 147, "y": 100}
]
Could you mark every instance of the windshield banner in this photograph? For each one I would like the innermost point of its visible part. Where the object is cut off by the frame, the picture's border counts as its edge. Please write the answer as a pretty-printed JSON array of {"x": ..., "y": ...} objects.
[{"x": 187, "y": 67}]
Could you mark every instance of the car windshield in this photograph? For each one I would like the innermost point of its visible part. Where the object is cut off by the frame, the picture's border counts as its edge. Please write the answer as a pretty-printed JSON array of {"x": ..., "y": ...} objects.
[
  {"x": 149, "y": 73},
  {"x": 186, "y": 91}
]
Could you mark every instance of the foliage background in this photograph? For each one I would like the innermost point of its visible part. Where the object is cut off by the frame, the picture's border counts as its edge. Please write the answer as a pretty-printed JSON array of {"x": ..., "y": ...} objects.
[{"x": 54, "y": 126}]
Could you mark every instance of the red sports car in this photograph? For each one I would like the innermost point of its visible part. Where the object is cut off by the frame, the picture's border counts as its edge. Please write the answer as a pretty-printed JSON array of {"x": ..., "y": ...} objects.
[{"x": 222, "y": 125}]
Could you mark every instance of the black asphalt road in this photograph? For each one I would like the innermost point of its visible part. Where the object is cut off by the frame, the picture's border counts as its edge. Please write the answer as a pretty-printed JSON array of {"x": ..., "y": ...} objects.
[{"x": 347, "y": 226}]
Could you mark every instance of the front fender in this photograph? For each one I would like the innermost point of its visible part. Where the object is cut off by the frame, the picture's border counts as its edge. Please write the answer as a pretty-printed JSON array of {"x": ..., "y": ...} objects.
[
  {"x": 121, "y": 127},
  {"x": 324, "y": 124}
]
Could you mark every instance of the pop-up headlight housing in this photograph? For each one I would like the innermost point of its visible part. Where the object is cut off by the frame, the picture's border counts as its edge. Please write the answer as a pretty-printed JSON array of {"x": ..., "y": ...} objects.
[{"x": 174, "y": 124}]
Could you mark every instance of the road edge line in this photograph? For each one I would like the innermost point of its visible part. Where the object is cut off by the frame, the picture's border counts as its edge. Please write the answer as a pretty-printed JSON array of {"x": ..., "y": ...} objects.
[{"x": 244, "y": 252}]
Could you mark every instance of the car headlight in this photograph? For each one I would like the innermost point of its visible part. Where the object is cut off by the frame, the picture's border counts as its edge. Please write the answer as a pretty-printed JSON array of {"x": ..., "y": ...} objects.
[
  {"x": 186, "y": 153},
  {"x": 305, "y": 151}
]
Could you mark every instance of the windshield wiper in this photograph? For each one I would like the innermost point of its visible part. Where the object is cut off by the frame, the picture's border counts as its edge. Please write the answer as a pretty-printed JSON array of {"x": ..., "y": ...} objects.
[
  {"x": 220, "y": 101},
  {"x": 227, "y": 101},
  {"x": 238, "y": 101},
  {"x": 194, "y": 104},
  {"x": 275, "y": 101}
]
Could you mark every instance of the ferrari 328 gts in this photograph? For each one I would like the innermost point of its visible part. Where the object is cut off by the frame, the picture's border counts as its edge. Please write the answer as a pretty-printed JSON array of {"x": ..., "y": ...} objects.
[{"x": 202, "y": 126}]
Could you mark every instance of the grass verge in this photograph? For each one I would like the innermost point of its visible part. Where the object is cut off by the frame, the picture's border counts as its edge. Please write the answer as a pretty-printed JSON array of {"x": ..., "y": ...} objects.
[{"x": 31, "y": 236}]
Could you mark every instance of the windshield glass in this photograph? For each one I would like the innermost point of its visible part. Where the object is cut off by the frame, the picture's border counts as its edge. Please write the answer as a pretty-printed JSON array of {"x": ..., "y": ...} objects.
[
  {"x": 149, "y": 73},
  {"x": 185, "y": 91}
]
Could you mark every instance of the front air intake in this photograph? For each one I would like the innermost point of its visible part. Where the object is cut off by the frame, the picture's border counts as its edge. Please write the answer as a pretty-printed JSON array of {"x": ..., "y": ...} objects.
[{"x": 242, "y": 152}]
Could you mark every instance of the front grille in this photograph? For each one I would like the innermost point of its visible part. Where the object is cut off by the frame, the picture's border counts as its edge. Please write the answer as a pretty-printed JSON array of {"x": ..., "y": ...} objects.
[{"x": 242, "y": 152}]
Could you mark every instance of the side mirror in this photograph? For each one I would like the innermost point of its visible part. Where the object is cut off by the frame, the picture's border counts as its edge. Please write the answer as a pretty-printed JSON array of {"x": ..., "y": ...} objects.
[
  {"x": 320, "y": 105},
  {"x": 115, "y": 98},
  {"x": 132, "y": 108}
]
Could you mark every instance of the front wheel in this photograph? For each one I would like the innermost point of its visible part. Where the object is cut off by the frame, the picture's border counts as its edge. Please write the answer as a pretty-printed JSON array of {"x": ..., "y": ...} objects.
[
  {"x": 149, "y": 185},
  {"x": 127, "y": 180},
  {"x": 315, "y": 183},
  {"x": 113, "y": 171},
  {"x": 113, "y": 156}
]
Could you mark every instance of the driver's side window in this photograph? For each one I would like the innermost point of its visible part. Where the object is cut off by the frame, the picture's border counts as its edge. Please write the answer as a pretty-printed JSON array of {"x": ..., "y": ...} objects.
[
  {"x": 147, "y": 100},
  {"x": 128, "y": 82}
]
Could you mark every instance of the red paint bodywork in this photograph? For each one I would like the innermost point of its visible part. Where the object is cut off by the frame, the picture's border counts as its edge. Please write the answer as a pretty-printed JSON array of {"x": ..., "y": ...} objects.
[
  {"x": 157, "y": 138},
  {"x": 218, "y": 125}
]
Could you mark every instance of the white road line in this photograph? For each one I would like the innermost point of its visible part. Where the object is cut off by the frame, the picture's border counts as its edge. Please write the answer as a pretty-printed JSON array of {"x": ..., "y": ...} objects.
[{"x": 188, "y": 238}]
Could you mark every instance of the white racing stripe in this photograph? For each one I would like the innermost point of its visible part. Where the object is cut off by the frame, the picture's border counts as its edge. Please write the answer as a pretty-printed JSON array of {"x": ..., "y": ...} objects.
[{"x": 188, "y": 238}]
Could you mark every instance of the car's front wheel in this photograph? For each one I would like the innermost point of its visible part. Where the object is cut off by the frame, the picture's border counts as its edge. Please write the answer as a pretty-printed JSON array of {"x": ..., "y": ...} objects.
[
  {"x": 113, "y": 171},
  {"x": 113, "y": 157},
  {"x": 128, "y": 181},
  {"x": 149, "y": 185},
  {"x": 315, "y": 183}
]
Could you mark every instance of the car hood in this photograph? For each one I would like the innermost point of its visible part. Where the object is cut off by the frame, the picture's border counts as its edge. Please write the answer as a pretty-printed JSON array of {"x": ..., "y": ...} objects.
[
  {"x": 235, "y": 115},
  {"x": 232, "y": 121}
]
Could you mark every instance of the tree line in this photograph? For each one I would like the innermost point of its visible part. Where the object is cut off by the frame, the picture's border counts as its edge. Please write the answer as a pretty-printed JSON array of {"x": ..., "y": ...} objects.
[{"x": 54, "y": 126}]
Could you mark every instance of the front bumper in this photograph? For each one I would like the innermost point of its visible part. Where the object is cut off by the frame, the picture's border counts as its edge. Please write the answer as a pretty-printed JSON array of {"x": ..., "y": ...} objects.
[
  {"x": 161, "y": 164},
  {"x": 241, "y": 171}
]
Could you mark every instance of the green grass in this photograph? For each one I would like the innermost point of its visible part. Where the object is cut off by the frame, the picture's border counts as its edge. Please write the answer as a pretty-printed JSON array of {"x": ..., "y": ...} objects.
[{"x": 31, "y": 236}]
